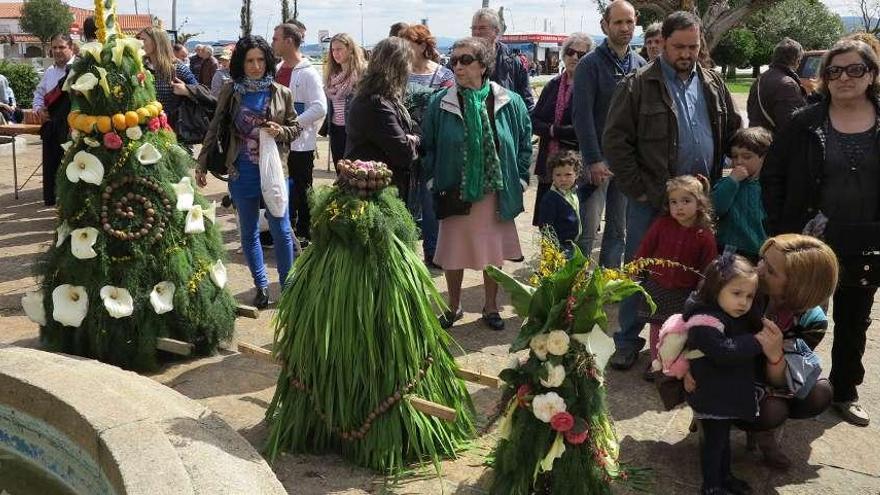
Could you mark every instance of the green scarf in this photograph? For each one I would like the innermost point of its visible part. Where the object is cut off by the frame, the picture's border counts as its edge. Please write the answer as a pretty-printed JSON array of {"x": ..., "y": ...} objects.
[{"x": 482, "y": 168}]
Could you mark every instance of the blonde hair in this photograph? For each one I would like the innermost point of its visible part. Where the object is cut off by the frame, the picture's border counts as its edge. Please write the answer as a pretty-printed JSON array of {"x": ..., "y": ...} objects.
[
  {"x": 356, "y": 63},
  {"x": 810, "y": 270},
  {"x": 162, "y": 60},
  {"x": 697, "y": 188}
]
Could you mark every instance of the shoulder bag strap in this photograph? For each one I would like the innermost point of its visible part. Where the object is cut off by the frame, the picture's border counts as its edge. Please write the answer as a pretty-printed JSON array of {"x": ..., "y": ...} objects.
[{"x": 761, "y": 104}]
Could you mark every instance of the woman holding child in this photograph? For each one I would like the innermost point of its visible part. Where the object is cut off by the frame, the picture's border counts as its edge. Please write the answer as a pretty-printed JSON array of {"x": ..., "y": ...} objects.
[{"x": 821, "y": 175}]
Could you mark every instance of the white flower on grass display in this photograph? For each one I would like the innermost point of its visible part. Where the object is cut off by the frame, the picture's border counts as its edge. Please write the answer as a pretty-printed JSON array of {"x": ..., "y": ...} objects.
[
  {"x": 195, "y": 220},
  {"x": 545, "y": 406},
  {"x": 85, "y": 84},
  {"x": 133, "y": 45},
  {"x": 557, "y": 342},
  {"x": 134, "y": 133},
  {"x": 70, "y": 304},
  {"x": 555, "y": 375},
  {"x": 539, "y": 346},
  {"x": 82, "y": 242},
  {"x": 117, "y": 300},
  {"x": 162, "y": 297},
  {"x": 85, "y": 167},
  {"x": 102, "y": 81},
  {"x": 185, "y": 193},
  {"x": 92, "y": 48},
  {"x": 66, "y": 145},
  {"x": 91, "y": 143},
  {"x": 63, "y": 231},
  {"x": 147, "y": 154},
  {"x": 32, "y": 303},
  {"x": 211, "y": 212},
  {"x": 218, "y": 274}
]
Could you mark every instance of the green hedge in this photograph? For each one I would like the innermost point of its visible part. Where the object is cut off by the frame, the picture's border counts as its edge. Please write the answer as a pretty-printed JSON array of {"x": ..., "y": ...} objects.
[{"x": 23, "y": 78}]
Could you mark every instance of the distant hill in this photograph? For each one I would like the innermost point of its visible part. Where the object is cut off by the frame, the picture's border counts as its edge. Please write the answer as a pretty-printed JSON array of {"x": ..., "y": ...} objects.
[{"x": 852, "y": 23}]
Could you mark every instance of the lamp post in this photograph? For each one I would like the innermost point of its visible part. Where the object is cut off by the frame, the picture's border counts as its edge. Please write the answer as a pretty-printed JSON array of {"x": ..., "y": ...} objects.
[
  {"x": 361, "y": 4},
  {"x": 174, "y": 15}
]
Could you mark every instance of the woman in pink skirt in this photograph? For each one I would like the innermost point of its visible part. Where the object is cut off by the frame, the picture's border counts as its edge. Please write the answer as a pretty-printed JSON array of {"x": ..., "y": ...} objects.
[{"x": 477, "y": 145}]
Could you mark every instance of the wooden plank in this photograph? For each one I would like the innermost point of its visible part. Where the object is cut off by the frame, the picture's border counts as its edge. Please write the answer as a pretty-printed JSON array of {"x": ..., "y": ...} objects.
[
  {"x": 247, "y": 311},
  {"x": 479, "y": 378},
  {"x": 174, "y": 346},
  {"x": 256, "y": 352},
  {"x": 432, "y": 408}
]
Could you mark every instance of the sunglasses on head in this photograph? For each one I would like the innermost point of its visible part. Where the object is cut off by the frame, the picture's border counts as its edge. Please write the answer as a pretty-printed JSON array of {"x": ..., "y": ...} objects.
[
  {"x": 465, "y": 59},
  {"x": 833, "y": 72},
  {"x": 571, "y": 52}
]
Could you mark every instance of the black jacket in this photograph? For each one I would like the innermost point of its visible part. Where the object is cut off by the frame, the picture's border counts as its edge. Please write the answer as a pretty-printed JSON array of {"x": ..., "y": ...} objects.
[
  {"x": 725, "y": 376},
  {"x": 781, "y": 96},
  {"x": 510, "y": 73},
  {"x": 542, "y": 118},
  {"x": 558, "y": 213},
  {"x": 377, "y": 129},
  {"x": 792, "y": 176}
]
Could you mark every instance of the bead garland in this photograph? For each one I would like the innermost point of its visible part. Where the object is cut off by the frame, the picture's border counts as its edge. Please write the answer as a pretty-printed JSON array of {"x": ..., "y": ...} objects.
[
  {"x": 124, "y": 209},
  {"x": 383, "y": 407}
]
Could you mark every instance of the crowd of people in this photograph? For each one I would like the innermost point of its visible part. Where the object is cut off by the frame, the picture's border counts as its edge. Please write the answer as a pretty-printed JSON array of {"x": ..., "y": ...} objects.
[{"x": 643, "y": 137}]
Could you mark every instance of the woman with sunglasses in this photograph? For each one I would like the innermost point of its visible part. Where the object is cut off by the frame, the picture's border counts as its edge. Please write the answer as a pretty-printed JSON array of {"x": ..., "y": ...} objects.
[
  {"x": 821, "y": 176},
  {"x": 477, "y": 151},
  {"x": 551, "y": 118}
]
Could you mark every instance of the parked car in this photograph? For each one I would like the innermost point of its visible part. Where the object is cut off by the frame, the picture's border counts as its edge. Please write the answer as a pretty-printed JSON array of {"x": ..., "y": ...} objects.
[{"x": 808, "y": 70}]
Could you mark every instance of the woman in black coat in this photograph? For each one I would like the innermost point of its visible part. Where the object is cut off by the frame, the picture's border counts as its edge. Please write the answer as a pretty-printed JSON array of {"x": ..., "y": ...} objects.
[
  {"x": 822, "y": 176},
  {"x": 551, "y": 117},
  {"x": 379, "y": 127}
]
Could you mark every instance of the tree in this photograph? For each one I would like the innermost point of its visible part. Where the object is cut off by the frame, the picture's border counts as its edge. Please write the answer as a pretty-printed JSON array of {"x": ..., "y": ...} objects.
[
  {"x": 45, "y": 18},
  {"x": 869, "y": 11},
  {"x": 246, "y": 19},
  {"x": 183, "y": 37},
  {"x": 285, "y": 11},
  {"x": 734, "y": 50},
  {"x": 809, "y": 22}
]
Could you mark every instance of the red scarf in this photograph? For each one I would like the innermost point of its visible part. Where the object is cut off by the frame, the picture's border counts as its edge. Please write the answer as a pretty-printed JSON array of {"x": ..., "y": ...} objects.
[{"x": 563, "y": 97}]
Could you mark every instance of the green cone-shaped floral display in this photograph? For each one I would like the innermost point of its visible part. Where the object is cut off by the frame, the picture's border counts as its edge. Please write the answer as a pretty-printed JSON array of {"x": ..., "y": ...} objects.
[
  {"x": 357, "y": 337},
  {"x": 137, "y": 254}
]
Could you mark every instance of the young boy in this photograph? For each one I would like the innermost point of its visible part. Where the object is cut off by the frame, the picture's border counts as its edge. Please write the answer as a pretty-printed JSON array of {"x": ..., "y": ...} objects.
[
  {"x": 737, "y": 197},
  {"x": 560, "y": 206}
]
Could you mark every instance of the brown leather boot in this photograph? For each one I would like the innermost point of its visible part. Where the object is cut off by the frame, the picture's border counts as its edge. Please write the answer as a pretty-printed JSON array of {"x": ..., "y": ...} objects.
[{"x": 773, "y": 453}]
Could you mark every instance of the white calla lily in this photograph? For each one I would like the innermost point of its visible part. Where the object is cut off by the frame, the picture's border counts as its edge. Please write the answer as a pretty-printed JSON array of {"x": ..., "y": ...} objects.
[
  {"x": 102, "y": 81},
  {"x": 185, "y": 194},
  {"x": 85, "y": 167},
  {"x": 93, "y": 49},
  {"x": 63, "y": 231},
  {"x": 162, "y": 297},
  {"x": 211, "y": 212},
  {"x": 134, "y": 133},
  {"x": 134, "y": 45},
  {"x": 218, "y": 274},
  {"x": 147, "y": 154},
  {"x": 85, "y": 84},
  {"x": 70, "y": 303},
  {"x": 195, "y": 220},
  {"x": 91, "y": 142},
  {"x": 32, "y": 303},
  {"x": 66, "y": 145},
  {"x": 118, "y": 301},
  {"x": 82, "y": 242},
  {"x": 67, "y": 82}
]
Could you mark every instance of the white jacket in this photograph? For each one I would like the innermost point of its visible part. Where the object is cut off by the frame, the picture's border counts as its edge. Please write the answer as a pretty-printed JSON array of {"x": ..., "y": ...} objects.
[{"x": 308, "y": 95}]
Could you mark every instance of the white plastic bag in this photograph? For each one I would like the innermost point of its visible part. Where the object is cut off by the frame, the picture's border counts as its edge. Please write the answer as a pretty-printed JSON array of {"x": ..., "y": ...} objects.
[{"x": 272, "y": 180}]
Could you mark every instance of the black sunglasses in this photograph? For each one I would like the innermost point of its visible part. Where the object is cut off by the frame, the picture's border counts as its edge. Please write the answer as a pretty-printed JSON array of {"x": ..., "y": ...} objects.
[
  {"x": 571, "y": 52},
  {"x": 854, "y": 71},
  {"x": 464, "y": 59}
]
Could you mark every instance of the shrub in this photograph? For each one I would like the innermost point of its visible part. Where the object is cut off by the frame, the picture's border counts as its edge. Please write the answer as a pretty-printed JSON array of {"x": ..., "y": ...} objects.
[{"x": 23, "y": 79}]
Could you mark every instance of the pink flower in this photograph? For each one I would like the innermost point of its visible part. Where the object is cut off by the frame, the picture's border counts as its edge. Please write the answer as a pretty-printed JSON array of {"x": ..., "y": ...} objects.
[
  {"x": 141, "y": 76},
  {"x": 562, "y": 422},
  {"x": 154, "y": 124},
  {"x": 163, "y": 119},
  {"x": 521, "y": 393},
  {"x": 576, "y": 438},
  {"x": 112, "y": 141}
]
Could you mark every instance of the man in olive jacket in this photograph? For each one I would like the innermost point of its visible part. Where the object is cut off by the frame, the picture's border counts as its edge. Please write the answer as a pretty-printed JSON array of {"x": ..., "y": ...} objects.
[{"x": 669, "y": 118}]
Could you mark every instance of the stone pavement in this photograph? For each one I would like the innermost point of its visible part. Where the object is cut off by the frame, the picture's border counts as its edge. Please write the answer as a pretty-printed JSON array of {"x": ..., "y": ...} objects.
[{"x": 831, "y": 457}]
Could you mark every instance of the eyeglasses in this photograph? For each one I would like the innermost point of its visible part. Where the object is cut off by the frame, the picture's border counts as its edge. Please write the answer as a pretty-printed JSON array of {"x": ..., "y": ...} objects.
[
  {"x": 571, "y": 52},
  {"x": 464, "y": 59},
  {"x": 854, "y": 71}
]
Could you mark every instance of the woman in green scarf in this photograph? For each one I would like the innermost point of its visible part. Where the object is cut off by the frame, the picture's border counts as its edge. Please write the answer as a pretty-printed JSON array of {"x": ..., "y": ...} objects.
[{"x": 477, "y": 146}]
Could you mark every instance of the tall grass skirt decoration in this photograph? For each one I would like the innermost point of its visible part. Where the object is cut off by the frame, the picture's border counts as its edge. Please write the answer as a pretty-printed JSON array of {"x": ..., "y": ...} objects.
[{"x": 357, "y": 336}]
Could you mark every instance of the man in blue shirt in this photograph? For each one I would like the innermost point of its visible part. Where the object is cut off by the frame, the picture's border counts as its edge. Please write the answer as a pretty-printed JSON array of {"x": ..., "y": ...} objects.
[
  {"x": 596, "y": 76},
  {"x": 669, "y": 118}
]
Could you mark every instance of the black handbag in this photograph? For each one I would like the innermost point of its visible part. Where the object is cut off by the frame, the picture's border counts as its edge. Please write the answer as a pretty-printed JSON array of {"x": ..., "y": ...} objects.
[
  {"x": 194, "y": 115},
  {"x": 215, "y": 152},
  {"x": 857, "y": 246},
  {"x": 448, "y": 203}
]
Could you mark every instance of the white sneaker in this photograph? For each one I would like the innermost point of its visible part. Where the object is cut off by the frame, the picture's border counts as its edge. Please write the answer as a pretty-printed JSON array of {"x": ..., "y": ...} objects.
[{"x": 852, "y": 413}]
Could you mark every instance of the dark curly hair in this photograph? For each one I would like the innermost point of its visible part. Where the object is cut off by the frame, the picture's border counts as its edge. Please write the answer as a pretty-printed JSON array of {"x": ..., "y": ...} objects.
[{"x": 244, "y": 45}]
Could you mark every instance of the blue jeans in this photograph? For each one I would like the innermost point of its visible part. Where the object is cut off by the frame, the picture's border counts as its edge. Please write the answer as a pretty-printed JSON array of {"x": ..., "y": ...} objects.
[
  {"x": 608, "y": 197},
  {"x": 429, "y": 224},
  {"x": 247, "y": 203},
  {"x": 639, "y": 216}
]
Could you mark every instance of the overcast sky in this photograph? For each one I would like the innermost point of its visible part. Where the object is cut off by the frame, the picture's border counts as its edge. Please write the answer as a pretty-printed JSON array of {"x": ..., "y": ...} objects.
[{"x": 219, "y": 19}]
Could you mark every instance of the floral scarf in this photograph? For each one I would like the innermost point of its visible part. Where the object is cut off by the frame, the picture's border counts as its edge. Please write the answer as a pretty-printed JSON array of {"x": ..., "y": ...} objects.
[
  {"x": 340, "y": 85},
  {"x": 248, "y": 85},
  {"x": 563, "y": 97},
  {"x": 482, "y": 168}
]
